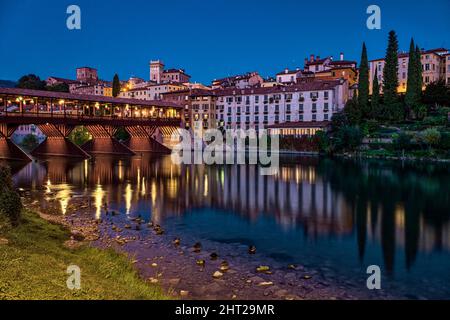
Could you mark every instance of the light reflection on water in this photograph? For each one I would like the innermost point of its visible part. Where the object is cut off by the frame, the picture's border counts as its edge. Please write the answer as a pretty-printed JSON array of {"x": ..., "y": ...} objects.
[{"x": 342, "y": 214}]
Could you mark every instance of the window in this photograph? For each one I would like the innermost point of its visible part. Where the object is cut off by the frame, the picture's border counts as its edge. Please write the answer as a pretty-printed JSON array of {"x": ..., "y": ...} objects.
[
  {"x": 288, "y": 118},
  {"x": 325, "y": 106},
  {"x": 325, "y": 116},
  {"x": 256, "y": 99},
  {"x": 300, "y": 117},
  {"x": 314, "y": 107},
  {"x": 314, "y": 117},
  {"x": 325, "y": 95},
  {"x": 300, "y": 107}
]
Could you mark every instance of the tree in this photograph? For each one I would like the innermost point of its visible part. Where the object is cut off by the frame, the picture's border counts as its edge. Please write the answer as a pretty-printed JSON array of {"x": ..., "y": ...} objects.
[
  {"x": 31, "y": 81},
  {"x": 375, "y": 101},
  {"x": 390, "y": 76},
  {"x": 30, "y": 142},
  {"x": 353, "y": 112},
  {"x": 59, "y": 87},
  {"x": 419, "y": 69},
  {"x": 411, "y": 98},
  {"x": 348, "y": 138},
  {"x": 10, "y": 203},
  {"x": 116, "y": 86},
  {"x": 431, "y": 137},
  {"x": 437, "y": 93},
  {"x": 363, "y": 84},
  {"x": 402, "y": 141}
]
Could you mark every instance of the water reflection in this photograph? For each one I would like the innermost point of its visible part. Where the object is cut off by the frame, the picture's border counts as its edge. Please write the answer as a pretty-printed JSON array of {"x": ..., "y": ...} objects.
[{"x": 378, "y": 207}]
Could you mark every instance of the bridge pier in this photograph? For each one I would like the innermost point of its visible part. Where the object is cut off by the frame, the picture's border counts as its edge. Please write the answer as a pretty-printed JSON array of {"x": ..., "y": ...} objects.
[
  {"x": 103, "y": 141},
  {"x": 8, "y": 150},
  {"x": 57, "y": 143},
  {"x": 142, "y": 140}
]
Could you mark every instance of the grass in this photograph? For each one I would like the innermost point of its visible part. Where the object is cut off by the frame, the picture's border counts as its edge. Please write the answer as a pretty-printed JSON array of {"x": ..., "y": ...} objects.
[{"x": 34, "y": 262}]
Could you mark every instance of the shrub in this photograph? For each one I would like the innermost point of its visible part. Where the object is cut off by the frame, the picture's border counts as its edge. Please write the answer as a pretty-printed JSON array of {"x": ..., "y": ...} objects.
[
  {"x": 402, "y": 141},
  {"x": 431, "y": 137},
  {"x": 10, "y": 203},
  {"x": 445, "y": 141},
  {"x": 348, "y": 138}
]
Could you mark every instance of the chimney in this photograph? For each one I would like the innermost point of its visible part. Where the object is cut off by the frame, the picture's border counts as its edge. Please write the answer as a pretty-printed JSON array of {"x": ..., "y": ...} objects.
[
  {"x": 286, "y": 70},
  {"x": 311, "y": 58},
  {"x": 306, "y": 61},
  {"x": 342, "y": 56},
  {"x": 318, "y": 57}
]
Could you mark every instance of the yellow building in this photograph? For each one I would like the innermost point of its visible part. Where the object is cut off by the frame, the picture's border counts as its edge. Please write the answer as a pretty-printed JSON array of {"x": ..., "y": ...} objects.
[{"x": 107, "y": 91}]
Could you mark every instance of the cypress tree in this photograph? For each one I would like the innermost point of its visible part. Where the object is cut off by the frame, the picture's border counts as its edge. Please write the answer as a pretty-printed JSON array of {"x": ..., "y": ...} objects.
[
  {"x": 363, "y": 83},
  {"x": 419, "y": 73},
  {"x": 116, "y": 86},
  {"x": 411, "y": 98},
  {"x": 390, "y": 76},
  {"x": 375, "y": 102}
]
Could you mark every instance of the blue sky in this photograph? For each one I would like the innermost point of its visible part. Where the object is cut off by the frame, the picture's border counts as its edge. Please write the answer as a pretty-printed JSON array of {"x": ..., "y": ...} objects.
[{"x": 208, "y": 38}]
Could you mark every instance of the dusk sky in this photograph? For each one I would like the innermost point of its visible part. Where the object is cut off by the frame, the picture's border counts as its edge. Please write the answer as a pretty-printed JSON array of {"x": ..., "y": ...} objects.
[{"x": 208, "y": 38}]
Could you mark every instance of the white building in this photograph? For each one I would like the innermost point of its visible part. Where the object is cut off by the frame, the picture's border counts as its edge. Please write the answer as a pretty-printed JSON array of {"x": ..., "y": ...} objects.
[{"x": 264, "y": 106}]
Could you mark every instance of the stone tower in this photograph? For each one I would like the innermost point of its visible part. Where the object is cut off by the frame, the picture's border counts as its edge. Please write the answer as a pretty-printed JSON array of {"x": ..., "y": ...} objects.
[{"x": 156, "y": 70}]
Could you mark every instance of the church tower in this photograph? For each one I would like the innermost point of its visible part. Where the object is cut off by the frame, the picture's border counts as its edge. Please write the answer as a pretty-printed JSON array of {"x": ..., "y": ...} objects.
[{"x": 156, "y": 70}]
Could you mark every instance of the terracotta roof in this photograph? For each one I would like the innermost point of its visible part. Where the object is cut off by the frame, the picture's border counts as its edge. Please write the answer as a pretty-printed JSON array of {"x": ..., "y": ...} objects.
[
  {"x": 317, "y": 85},
  {"x": 299, "y": 124},
  {"x": 288, "y": 72},
  {"x": 63, "y": 80},
  {"x": 343, "y": 62},
  {"x": 406, "y": 54},
  {"x": 85, "y": 97}
]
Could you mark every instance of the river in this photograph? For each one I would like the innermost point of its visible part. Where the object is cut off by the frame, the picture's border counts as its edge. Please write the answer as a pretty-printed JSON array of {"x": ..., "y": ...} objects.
[{"x": 329, "y": 214}]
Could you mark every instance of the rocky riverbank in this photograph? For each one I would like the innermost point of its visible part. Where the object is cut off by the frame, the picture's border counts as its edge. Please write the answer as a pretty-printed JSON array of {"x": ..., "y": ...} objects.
[{"x": 194, "y": 270}]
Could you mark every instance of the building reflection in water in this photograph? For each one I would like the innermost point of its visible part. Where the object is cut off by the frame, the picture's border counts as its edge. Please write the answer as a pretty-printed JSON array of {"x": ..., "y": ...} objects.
[{"x": 394, "y": 206}]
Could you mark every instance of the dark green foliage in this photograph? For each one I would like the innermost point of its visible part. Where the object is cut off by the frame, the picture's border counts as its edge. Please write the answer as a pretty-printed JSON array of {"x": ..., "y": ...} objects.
[
  {"x": 402, "y": 141},
  {"x": 348, "y": 138},
  {"x": 419, "y": 72},
  {"x": 338, "y": 120},
  {"x": 445, "y": 141},
  {"x": 390, "y": 76},
  {"x": 122, "y": 134},
  {"x": 353, "y": 111},
  {"x": 79, "y": 136},
  {"x": 363, "y": 84},
  {"x": 323, "y": 141},
  {"x": 10, "y": 203},
  {"x": 31, "y": 81},
  {"x": 30, "y": 142},
  {"x": 60, "y": 87},
  {"x": 375, "y": 108},
  {"x": 412, "y": 97},
  {"x": 437, "y": 93},
  {"x": 116, "y": 86}
]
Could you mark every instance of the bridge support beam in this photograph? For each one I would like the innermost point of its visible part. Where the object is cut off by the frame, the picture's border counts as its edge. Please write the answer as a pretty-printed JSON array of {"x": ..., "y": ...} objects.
[
  {"x": 8, "y": 150},
  {"x": 57, "y": 143},
  {"x": 142, "y": 139},
  {"x": 103, "y": 141}
]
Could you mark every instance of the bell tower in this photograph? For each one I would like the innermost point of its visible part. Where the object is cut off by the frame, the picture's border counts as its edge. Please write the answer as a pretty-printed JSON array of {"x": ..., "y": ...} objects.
[{"x": 156, "y": 70}]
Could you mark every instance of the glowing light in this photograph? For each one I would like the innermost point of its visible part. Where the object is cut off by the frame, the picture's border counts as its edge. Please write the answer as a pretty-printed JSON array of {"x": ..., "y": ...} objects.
[
  {"x": 98, "y": 197},
  {"x": 64, "y": 195},
  {"x": 61, "y": 101},
  {"x": 128, "y": 198}
]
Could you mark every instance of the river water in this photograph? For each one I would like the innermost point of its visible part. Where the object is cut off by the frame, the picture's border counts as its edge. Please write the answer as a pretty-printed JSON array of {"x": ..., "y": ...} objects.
[{"x": 335, "y": 215}]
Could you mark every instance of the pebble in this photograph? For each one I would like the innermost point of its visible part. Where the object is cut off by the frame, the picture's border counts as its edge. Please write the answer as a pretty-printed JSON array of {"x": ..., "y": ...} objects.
[{"x": 217, "y": 275}]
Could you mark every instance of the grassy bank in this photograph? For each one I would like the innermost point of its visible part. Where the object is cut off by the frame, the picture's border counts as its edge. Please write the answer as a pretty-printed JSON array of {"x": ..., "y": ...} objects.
[{"x": 33, "y": 265}]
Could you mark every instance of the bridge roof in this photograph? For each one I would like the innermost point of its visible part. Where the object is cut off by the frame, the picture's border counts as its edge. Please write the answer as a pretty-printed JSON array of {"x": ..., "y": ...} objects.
[{"x": 85, "y": 97}]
